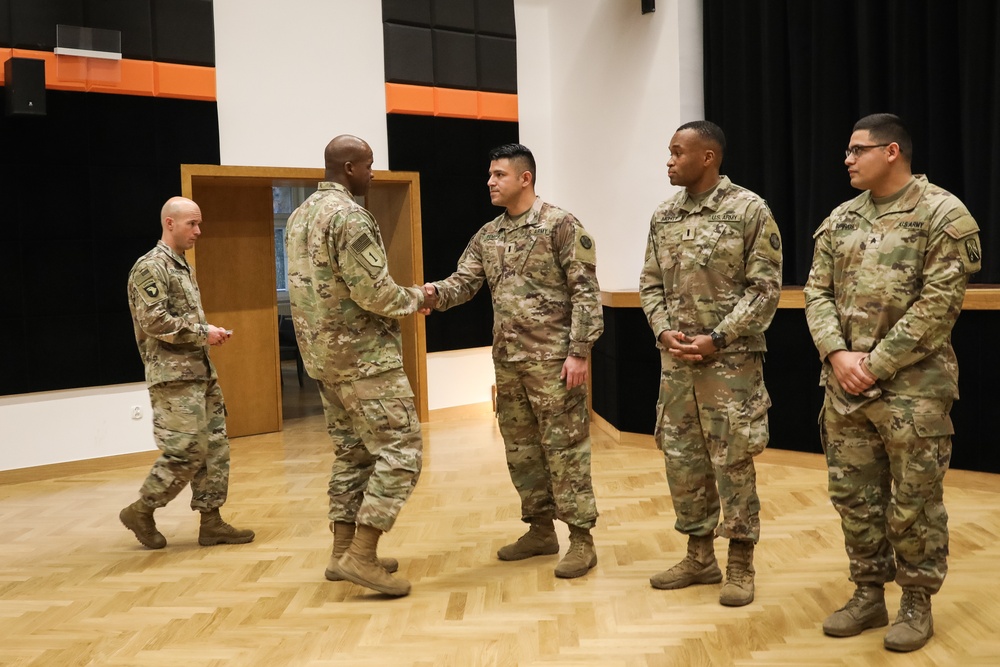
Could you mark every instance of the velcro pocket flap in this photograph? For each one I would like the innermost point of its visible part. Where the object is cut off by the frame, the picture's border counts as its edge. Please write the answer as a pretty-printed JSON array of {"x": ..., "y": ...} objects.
[{"x": 933, "y": 425}]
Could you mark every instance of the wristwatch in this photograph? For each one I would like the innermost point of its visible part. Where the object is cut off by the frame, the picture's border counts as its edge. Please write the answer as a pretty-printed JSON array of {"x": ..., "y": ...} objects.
[{"x": 718, "y": 340}]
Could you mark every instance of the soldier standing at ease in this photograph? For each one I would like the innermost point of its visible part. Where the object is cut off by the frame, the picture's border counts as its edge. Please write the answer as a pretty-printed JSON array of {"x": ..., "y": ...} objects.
[
  {"x": 189, "y": 421},
  {"x": 346, "y": 309},
  {"x": 539, "y": 262},
  {"x": 710, "y": 287},
  {"x": 887, "y": 282}
]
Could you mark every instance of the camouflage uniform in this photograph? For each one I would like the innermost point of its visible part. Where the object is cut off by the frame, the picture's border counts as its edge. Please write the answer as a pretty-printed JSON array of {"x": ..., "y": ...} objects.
[
  {"x": 713, "y": 266},
  {"x": 546, "y": 306},
  {"x": 189, "y": 421},
  {"x": 345, "y": 306},
  {"x": 891, "y": 284}
]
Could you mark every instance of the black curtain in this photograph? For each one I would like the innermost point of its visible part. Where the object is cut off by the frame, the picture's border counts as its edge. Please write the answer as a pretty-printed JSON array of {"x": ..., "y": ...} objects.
[{"x": 787, "y": 79}]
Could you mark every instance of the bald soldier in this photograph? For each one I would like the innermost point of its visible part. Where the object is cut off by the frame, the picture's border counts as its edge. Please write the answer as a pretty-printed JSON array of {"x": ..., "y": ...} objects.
[
  {"x": 710, "y": 287},
  {"x": 189, "y": 422},
  {"x": 346, "y": 308}
]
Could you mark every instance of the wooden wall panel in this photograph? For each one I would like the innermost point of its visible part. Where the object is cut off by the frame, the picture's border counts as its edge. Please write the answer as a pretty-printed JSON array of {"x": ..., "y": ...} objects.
[{"x": 235, "y": 266}]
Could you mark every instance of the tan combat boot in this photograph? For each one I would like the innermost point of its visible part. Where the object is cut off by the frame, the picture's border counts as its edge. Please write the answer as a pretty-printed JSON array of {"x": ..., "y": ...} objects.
[
  {"x": 581, "y": 555},
  {"x": 698, "y": 566},
  {"x": 214, "y": 530},
  {"x": 138, "y": 517},
  {"x": 360, "y": 564},
  {"x": 914, "y": 624},
  {"x": 738, "y": 589},
  {"x": 540, "y": 540},
  {"x": 343, "y": 535},
  {"x": 866, "y": 609}
]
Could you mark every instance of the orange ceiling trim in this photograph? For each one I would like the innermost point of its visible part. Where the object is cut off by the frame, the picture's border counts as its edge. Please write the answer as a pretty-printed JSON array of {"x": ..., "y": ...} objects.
[
  {"x": 121, "y": 77},
  {"x": 451, "y": 102}
]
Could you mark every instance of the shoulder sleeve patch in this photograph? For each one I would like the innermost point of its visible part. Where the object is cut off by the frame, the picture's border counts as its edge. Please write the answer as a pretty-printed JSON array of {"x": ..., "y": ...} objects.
[
  {"x": 149, "y": 287},
  {"x": 584, "y": 248},
  {"x": 368, "y": 253},
  {"x": 961, "y": 227}
]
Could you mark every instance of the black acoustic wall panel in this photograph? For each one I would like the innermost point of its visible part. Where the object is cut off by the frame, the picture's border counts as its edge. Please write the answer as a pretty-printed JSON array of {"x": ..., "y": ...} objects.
[
  {"x": 454, "y": 15},
  {"x": 416, "y": 12},
  {"x": 454, "y": 59},
  {"x": 457, "y": 45},
  {"x": 33, "y": 22},
  {"x": 4, "y": 23},
  {"x": 495, "y": 18},
  {"x": 184, "y": 32},
  {"x": 133, "y": 18},
  {"x": 408, "y": 54},
  {"x": 496, "y": 59}
]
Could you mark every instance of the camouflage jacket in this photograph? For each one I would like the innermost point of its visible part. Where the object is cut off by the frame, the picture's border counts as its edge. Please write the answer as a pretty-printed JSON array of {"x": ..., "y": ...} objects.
[
  {"x": 892, "y": 284},
  {"x": 542, "y": 273},
  {"x": 170, "y": 326},
  {"x": 345, "y": 305},
  {"x": 713, "y": 266}
]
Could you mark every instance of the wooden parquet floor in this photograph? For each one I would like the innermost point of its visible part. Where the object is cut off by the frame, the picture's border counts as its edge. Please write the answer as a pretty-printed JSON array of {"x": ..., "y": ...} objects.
[{"x": 77, "y": 589}]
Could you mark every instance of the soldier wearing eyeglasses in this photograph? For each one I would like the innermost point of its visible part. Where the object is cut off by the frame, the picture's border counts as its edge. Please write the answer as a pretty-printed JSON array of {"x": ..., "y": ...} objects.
[{"x": 887, "y": 282}]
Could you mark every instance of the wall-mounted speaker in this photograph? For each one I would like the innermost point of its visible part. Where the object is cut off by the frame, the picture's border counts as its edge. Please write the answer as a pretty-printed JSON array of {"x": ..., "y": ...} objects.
[
  {"x": 648, "y": 6},
  {"x": 24, "y": 79}
]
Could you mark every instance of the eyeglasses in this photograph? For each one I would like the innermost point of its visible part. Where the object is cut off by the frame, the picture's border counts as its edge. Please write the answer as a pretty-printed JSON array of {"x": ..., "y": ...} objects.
[{"x": 856, "y": 151}]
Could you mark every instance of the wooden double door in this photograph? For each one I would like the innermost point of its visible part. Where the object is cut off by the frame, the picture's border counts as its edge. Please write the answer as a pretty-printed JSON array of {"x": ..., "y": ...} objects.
[{"x": 235, "y": 263}]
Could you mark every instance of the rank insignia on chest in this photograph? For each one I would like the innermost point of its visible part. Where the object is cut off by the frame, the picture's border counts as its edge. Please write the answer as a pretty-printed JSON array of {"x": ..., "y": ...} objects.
[
  {"x": 688, "y": 233},
  {"x": 874, "y": 240}
]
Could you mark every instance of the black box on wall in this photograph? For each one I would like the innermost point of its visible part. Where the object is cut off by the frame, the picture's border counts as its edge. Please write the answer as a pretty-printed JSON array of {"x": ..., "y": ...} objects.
[{"x": 24, "y": 79}]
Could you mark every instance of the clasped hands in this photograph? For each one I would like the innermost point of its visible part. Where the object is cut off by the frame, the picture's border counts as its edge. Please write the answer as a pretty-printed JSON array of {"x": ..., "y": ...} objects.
[
  {"x": 851, "y": 372},
  {"x": 687, "y": 348},
  {"x": 430, "y": 299}
]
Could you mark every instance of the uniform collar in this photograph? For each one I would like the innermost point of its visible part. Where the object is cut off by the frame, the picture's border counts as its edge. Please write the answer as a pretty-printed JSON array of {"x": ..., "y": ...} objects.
[
  {"x": 507, "y": 223},
  {"x": 179, "y": 259},
  {"x": 864, "y": 205},
  {"x": 711, "y": 200},
  {"x": 330, "y": 185}
]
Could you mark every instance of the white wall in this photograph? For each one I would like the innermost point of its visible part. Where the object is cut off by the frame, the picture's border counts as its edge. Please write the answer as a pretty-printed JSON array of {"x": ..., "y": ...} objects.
[
  {"x": 459, "y": 377},
  {"x": 292, "y": 75},
  {"x": 59, "y": 426},
  {"x": 601, "y": 89}
]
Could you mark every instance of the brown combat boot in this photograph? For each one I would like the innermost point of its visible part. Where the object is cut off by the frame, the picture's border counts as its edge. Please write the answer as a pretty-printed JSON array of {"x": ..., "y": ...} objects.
[
  {"x": 698, "y": 566},
  {"x": 540, "y": 540},
  {"x": 214, "y": 530},
  {"x": 138, "y": 517},
  {"x": 360, "y": 564},
  {"x": 866, "y": 609},
  {"x": 738, "y": 589},
  {"x": 914, "y": 624},
  {"x": 343, "y": 535},
  {"x": 581, "y": 555}
]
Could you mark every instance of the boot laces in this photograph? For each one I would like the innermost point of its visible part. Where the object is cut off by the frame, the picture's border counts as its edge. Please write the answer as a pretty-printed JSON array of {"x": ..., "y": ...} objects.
[
  {"x": 909, "y": 605},
  {"x": 858, "y": 602}
]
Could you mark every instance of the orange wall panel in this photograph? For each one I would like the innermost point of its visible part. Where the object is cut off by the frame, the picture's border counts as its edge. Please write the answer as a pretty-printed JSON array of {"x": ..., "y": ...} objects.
[
  {"x": 184, "y": 81},
  {"x": 498, "y": 106},
  {"x": 124, "y": 77},
  {"x": 4, "y": 57},
  {"x": 456, "y": 103},
  {"x": 404, "y": 98},
  {"x": 65, "y": 75}
]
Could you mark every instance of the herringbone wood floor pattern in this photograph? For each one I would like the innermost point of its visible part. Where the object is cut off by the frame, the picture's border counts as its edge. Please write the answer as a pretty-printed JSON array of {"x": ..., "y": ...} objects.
[{"x": 76, "y": 588}]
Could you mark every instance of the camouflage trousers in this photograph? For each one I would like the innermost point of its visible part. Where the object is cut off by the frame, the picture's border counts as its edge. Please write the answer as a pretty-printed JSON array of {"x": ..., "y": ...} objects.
[
  {"x": 546, "y": 432},
  {"x": 378, "y": 446},
  {"x": 189, "y": 426},
  {"x": 711, "y": 421},
  {"x": 887, "y": 460}
]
